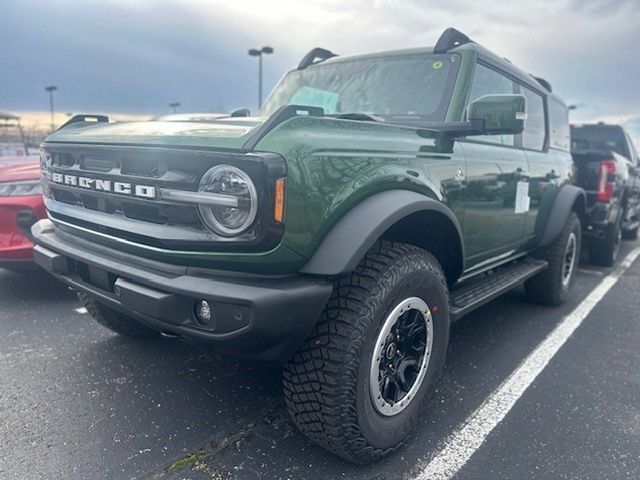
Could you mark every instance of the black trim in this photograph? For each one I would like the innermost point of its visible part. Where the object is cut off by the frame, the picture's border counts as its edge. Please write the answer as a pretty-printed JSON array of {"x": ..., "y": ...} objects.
[
  {"x": 354, "y": 234},
  {"x": 316, "y": 55},
  {"x": 83, "y": 118},
  {"x": 559, "y": 212},
  {"x": 172, "y": 227},
  {"x": 263, "y": 318},
  {"x": 479, "y": 290},
  {"x": 281, "y": 115},
  {"x": 449, "y": 39},
  {"x": 544, "y": 83}
]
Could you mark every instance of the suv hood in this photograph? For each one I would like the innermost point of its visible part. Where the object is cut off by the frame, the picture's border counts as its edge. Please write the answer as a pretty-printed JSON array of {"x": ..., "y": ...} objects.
[
  {"x": 227, "y": 133},
  {"x": 15, "y": 169}
]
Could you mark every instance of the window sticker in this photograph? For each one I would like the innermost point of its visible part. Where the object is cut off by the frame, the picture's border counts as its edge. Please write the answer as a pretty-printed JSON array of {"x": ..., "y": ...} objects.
[
  {"x": 523, "y": 201},
  {"x": 314, "y": 97}
]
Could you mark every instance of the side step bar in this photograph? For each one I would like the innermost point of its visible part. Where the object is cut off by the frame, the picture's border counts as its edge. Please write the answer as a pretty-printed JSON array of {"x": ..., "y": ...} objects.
[{"x": 479, "y": 290}]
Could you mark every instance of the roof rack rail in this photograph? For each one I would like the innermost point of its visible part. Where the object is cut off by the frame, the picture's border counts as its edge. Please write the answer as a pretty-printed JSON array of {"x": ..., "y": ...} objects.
[
  {"x": 83, "y": 118},
  {"x": 449, "y": 39},
  {"x": 543, "y": 82},
  {"x": 316, "y": 55}
]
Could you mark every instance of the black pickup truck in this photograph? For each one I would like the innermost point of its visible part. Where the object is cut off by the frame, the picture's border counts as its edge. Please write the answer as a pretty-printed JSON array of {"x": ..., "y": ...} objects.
[{"x": 607, "y": 168}]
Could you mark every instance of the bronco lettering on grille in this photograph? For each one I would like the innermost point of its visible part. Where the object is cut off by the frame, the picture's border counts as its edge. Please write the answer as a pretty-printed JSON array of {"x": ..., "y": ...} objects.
[{"x": 100, "y": 185}]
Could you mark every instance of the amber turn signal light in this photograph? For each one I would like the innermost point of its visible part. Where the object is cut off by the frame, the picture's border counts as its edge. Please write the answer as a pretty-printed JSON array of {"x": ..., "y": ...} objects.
[{"x": 278, "y": 209}]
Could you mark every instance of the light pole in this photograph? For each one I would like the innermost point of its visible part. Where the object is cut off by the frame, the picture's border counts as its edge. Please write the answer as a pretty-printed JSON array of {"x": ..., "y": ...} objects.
[
  {"x": 51, "y": 89},
  {"x": 174, "y": 105},
  {"x": 258, "y": 53}
]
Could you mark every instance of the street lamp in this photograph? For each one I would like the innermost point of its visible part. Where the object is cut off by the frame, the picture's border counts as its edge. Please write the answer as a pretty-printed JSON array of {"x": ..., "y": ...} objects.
[
  {"x": 258, "y": 53},
  {"x": 174, "y": 105},
  {"x": 51, "y": 89}
]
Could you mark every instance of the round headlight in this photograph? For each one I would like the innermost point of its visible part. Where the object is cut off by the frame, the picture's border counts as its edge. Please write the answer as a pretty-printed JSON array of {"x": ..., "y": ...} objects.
[{"x": 229, "y": 221}]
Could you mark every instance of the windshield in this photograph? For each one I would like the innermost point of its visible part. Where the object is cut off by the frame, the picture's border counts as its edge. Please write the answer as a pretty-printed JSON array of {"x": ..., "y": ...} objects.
[{"x": 412, "y": 86}]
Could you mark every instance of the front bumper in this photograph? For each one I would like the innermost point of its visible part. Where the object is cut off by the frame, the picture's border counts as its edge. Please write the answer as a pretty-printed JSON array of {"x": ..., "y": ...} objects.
[{"x": 259, "y": 317}]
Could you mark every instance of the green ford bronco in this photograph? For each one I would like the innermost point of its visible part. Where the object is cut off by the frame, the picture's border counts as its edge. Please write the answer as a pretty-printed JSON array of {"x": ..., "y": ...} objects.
[{"x": 375, "y": 199}]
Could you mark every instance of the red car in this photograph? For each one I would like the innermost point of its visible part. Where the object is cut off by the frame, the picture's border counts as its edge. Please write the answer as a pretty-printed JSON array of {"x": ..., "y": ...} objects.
[{"x": 21, "y": 205}]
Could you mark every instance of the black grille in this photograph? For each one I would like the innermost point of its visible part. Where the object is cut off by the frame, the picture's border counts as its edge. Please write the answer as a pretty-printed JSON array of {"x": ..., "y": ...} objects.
[
  {"x": 98, "y": 163},
  {"x": 154, "y": 222},
  {"x": 144, "y": 167}
]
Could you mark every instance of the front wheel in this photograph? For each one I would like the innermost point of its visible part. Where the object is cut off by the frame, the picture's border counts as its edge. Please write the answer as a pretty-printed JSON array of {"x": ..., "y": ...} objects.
[
  {"x": 116, "y": 321},
  {"x": 552, "y": 285},
  {"x": 359, "y": 383}
]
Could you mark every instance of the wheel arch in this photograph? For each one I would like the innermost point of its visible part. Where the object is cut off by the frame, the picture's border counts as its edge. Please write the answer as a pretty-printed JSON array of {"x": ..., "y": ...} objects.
[
  {"x": 569, "y": 199},
  {"x": 396, "y": 215}
]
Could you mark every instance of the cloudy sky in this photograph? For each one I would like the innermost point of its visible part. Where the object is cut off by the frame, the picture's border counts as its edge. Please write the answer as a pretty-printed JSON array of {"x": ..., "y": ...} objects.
[{"x": 135, "y": 56}]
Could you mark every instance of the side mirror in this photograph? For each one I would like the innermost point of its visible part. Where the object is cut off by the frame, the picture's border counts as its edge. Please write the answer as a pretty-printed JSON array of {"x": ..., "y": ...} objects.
[
  {"x": 499, "y": 114},
  {"x": 241, "y": 112}
]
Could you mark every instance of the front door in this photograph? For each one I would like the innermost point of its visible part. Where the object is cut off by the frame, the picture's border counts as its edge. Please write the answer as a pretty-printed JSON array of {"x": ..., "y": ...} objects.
[
  {"x": 493, "y": 225},
  {"x": 497, "y": 174}
]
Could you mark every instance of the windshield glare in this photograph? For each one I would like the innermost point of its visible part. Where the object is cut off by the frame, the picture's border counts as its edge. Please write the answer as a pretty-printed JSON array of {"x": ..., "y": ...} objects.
[{"x": 417, "y": 86}]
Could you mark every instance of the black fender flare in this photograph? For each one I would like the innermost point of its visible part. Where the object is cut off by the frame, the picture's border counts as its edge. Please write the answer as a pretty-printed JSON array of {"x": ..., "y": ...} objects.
[
  {"x": 563, "y": 204},
  {"x": 355, "y": 233}
]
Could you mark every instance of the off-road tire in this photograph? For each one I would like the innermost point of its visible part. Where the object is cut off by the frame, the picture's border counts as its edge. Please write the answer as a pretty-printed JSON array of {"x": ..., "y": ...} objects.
[
  {"x": 604, "y": 252},
  {"x": 116, "y": 321},
  {"x": 326, "y": 382},
  {"x": 547, "y": 287}
]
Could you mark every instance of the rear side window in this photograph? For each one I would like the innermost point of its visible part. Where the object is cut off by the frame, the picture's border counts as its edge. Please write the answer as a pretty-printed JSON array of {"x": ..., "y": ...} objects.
[
  {"x": 534, "y": 126},
  {"x": 485, "y": 82},
  {"x": 559, "y": 125}
]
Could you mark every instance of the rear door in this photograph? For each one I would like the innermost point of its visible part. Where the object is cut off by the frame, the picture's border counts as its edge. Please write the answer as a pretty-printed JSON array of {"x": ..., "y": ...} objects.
[
  {"x": 493, "y": 226},
  {"x": 544, "y": 170}
]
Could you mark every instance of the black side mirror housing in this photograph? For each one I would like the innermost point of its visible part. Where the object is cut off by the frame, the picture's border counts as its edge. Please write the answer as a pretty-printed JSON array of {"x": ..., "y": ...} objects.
[
  {"x": 499, "y": 114},
  {"x": 241, "y": 112}
]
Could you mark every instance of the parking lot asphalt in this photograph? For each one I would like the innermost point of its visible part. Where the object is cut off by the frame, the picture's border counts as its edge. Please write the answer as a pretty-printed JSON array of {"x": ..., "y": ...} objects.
[{"x": 78, "y": 402}]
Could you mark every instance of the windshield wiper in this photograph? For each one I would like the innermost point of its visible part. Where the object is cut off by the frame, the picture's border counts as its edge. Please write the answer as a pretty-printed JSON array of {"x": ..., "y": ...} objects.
[{"x": 365, "y": 117}]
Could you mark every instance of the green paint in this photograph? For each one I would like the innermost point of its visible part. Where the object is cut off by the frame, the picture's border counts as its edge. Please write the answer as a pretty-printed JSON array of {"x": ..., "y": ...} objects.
[{"x": 334, "y": 164}]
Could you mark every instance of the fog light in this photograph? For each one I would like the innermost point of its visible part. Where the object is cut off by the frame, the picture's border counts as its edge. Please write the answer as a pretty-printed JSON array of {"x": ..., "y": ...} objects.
[{"x": 203, "y": 312}]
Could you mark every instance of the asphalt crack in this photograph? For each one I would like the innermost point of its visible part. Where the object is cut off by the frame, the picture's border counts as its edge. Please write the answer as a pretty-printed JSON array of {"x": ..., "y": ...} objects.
[{"x": 201, "y": 461}]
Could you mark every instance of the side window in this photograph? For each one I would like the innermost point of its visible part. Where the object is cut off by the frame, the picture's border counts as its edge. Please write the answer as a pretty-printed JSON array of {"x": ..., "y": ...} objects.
[
  {"x": 534, "y": 125},
  {"x": 485, "y": 82},
  {"x": 559, "y": 125}
]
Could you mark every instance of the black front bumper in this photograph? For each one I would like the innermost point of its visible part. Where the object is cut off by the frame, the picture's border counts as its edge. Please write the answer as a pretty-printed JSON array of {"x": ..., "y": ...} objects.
[{"x": 259, "y": 317}]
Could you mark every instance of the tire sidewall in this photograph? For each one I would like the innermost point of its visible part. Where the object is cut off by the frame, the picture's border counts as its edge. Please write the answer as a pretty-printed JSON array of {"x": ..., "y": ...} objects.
[
  {"x": 573, "y": 226},
  {"x": 388, "y": 431}
]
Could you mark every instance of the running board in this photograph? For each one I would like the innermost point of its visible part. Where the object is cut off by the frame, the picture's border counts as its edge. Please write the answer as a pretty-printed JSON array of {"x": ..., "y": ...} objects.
[{"x": 482, "y": 289}]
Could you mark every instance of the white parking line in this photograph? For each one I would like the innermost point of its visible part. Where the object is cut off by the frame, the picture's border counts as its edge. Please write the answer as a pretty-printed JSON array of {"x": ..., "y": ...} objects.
[
  {"x": 590, "y": 271},
  {"x": 80, "y": 310},
  {"x": 462, "y": 443}
]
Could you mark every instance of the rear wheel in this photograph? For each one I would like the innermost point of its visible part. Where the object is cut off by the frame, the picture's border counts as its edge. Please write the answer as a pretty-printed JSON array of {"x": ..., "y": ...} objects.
[
  {"x": 604, "y": 252},
  {"x": 552, "y": 285},
  {"x": 359, "y": 383},
  {"x": 116, "y": 321}
]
